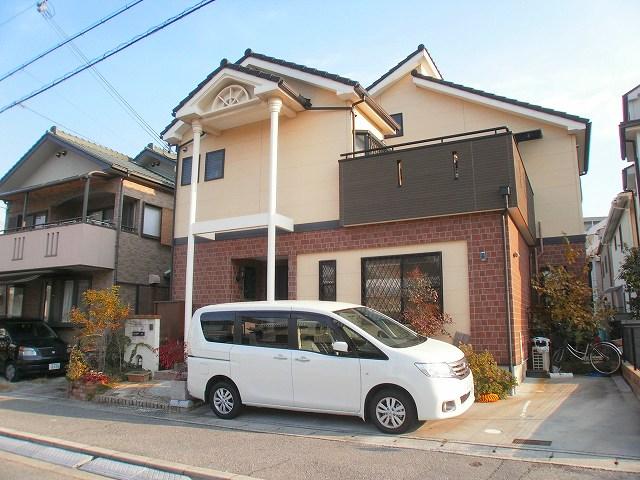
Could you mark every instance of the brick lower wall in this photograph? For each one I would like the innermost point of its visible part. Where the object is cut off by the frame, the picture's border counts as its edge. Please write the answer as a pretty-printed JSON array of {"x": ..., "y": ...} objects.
[
  {"x": 215, "y": 269},
  {"x": 555, "y": 254}
]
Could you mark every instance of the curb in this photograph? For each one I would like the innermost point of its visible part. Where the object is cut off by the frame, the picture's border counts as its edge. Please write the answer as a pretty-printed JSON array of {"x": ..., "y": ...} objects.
[
  {"x": 173, "y": 405},
  {"x": 196, "y": 473}
]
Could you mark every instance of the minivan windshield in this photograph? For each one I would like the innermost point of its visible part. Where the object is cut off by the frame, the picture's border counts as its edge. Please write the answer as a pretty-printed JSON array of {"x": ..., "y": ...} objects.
[
  {"x": 381, "y": 327},
  {"x": 28, "y": 330}
]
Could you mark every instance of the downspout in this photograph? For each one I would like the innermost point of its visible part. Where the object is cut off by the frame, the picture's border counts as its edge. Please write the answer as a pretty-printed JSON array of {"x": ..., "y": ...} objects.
[
  {"x": 506, "y": 191},
  {"x": 118, "y": 229}
]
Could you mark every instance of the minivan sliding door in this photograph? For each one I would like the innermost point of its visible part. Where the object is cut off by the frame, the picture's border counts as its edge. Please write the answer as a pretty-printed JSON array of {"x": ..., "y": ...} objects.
[
  {"x": 322, "y": 378},
  {"x": 261, "y": 364}
]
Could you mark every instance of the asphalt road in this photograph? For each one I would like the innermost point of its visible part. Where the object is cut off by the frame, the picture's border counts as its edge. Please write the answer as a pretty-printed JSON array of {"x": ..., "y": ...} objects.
[{"x": 263, "y": 455}]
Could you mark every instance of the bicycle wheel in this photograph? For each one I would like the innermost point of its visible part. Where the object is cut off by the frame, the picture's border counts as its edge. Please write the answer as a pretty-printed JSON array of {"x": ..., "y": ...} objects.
[{"x": 605, "y": 358}]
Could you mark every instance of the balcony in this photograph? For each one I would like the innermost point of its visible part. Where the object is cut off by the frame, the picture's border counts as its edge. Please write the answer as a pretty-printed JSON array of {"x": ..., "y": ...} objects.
[
  {"x": 69, "y": 243},
  {"x": 450, "y": 175}
]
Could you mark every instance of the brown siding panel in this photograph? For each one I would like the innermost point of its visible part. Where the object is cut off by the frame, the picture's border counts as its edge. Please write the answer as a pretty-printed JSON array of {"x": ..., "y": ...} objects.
[{"x": 370, "y": 192}]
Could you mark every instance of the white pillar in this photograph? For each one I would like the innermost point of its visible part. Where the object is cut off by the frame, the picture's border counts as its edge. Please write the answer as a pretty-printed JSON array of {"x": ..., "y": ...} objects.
[
  {"x": 275, "y": 104},
  {"x": 193, "y": 191}
]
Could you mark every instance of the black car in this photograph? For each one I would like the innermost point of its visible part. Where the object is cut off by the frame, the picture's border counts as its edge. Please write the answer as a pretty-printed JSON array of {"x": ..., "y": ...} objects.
[{"x": 30, "y": 347}]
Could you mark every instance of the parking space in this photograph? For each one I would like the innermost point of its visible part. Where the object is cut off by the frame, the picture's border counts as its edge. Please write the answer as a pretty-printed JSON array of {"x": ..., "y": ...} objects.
[{"x": 589, "y": 421}]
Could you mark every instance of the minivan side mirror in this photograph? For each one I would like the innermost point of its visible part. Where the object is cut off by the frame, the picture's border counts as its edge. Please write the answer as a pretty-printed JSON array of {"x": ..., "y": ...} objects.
[{"x": 342, "y": 347}]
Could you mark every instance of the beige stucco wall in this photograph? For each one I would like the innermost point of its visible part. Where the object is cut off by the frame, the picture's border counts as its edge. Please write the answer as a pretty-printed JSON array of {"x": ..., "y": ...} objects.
[
  {"x": 551, "y": 163},
  {"x": 348, "y": 278},
  {"x": 309, "y": 148},
  {"x": 54, "y": 168}
]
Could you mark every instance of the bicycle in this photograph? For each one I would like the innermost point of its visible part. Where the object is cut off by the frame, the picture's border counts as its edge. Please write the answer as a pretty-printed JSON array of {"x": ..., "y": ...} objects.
[{"x": 605, "y": 357}]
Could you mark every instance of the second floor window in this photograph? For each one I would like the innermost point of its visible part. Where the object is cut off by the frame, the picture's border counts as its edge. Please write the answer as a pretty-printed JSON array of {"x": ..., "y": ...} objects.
[
  {"x": 151, "y": 221},
  {"x": 185, "y": 177},
  {"x": 399, "y": 120},
  {"x": 214, "y": 165}
]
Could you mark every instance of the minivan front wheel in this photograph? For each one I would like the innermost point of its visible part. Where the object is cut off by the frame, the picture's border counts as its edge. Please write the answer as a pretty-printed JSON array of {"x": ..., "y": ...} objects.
[
  {"x": 224, "y": 400},
  {"x": 10, "y": 372},
  {"x": 392, "y": 411}
]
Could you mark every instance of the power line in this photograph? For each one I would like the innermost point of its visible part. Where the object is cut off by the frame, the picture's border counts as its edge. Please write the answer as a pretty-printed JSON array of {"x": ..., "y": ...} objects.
[
  {"x": 108, "y": 54},
  {"x": 12, "y": 17},
  {"x": 51, "y": 120},
  {"x": 81, "y": 110},
  {"x": 108, "y": 87},
  {"x": 69, "y": 39}
]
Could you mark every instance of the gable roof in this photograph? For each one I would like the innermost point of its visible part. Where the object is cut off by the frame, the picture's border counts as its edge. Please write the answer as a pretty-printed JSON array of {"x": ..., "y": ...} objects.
[
  {"x": 500, "y": 98},
  {"x": 248, "y": 53},
  {"x": 421, "y": 48},
  {"x": 224, "y": 64},
  {"x": 305, "y": 102},
  {"x": 104, "y": 156}
]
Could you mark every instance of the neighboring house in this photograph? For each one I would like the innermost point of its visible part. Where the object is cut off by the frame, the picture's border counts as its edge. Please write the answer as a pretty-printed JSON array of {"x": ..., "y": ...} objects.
[
  {"x": 79, "y": 216},
  {"x": 629, "y": 130},
  {"x": 413, "y": 172},
  {"x": 618, "y": 234},
  {"x": 590, "y": 222}
]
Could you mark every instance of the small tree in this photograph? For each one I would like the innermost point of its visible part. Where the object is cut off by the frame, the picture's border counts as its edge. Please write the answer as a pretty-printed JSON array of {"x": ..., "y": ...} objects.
[
  {"x": 423, "y": 309},
  {"x": 104, "y": 315},
  {"x": 566, "y": 306},
  {"x": 630, "y": 273}
]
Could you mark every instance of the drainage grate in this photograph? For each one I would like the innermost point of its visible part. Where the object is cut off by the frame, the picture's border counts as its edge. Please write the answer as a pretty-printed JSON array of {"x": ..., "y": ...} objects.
[
  {"x": 531, "y": 441},
  {"x": 45, "y": 453},
  {"x": 126, "y": 471}
]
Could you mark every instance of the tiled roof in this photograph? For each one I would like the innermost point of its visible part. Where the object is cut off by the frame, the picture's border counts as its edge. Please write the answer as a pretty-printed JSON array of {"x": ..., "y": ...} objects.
[
  {"x": 303, "y": 68},
  {"x": 493, "y": 96},
  {"x": 238, "y": 68},
  {"x": 223, "y": 64},
  {"x": 421, "y": 47},
  {"x": 117, "y": 160}
]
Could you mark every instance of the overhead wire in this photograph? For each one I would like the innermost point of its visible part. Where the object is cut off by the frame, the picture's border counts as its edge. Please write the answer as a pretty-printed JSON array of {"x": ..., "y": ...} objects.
[
  {"x": 51, "y": 120},
  {"x": 82, "y": 111},
  {"x": 16, "y": 15},
  {"x": 107, "y": 54},
  {"x": 109, "y": 88},
  {"x": 69, "y": 39}
]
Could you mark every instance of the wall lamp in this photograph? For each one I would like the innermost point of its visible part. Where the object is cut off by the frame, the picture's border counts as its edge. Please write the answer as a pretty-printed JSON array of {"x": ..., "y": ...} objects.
[{"x": 61, "y": 153}]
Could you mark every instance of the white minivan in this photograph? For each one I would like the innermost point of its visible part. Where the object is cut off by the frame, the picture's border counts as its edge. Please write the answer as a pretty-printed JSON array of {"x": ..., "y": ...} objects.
[{"x": 327, "y": 357}]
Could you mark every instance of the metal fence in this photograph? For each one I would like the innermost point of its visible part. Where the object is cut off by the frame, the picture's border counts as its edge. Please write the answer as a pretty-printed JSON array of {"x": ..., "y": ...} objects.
[{"x": 631, "y": 342}]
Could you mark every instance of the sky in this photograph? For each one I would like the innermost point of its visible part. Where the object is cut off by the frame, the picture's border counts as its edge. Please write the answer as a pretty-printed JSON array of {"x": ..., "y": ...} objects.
[{"x": 575, "y": 56}]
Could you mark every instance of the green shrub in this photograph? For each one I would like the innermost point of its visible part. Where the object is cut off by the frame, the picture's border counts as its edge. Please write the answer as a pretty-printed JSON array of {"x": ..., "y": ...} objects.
[{"x": 488, "y": 377}]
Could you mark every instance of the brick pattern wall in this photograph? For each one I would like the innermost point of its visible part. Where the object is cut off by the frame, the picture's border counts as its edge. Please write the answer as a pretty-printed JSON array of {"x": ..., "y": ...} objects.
[
  {"x": 554, "y": 254},
  {"x": 520, "y": 292},
  {"x": 215, "y": 270}
]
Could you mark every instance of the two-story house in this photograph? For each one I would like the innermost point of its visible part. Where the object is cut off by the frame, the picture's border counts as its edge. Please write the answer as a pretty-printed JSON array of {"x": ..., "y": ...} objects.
[
  {"x": 79, "y": 216},
  {"x": 364, "y": 186}
]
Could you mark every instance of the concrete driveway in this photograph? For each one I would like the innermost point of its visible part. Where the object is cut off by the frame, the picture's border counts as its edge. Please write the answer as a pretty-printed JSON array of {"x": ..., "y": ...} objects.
[{"x": 583, "y": 421}]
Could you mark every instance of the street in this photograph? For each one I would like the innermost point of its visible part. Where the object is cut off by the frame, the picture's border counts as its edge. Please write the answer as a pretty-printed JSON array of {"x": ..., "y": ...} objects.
[{"x": 262, "y": 455}]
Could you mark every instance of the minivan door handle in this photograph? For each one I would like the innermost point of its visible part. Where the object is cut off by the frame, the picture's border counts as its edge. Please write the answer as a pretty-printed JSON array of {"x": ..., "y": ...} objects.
[
  {"x": 280, "y": 357},
  {"x": 302, "y": 359}
]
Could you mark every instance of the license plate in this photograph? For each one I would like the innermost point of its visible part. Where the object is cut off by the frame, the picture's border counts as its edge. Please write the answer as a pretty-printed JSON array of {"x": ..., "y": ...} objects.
[{"x": 54, "y": 366}]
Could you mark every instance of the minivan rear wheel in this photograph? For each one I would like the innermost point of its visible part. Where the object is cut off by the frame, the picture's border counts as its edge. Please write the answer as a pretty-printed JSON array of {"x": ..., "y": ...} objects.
[
  {"x": 224, "y": 400},
  {"x": 10, "y": 372},
  {"x": 392, "y": 411}
]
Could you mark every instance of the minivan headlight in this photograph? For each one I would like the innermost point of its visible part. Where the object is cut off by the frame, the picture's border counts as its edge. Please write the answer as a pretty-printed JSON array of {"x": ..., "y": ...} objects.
[
  {"x": 436, "y": 370},
  {"x": 27, "y": 352}
]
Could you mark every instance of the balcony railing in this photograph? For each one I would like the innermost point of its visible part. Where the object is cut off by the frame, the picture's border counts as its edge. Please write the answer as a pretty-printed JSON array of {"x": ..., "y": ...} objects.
[
  {"x": 59, "y": 223},
  {"x": 69, "y": 243},
  {"x": 454, "y": 174}
]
